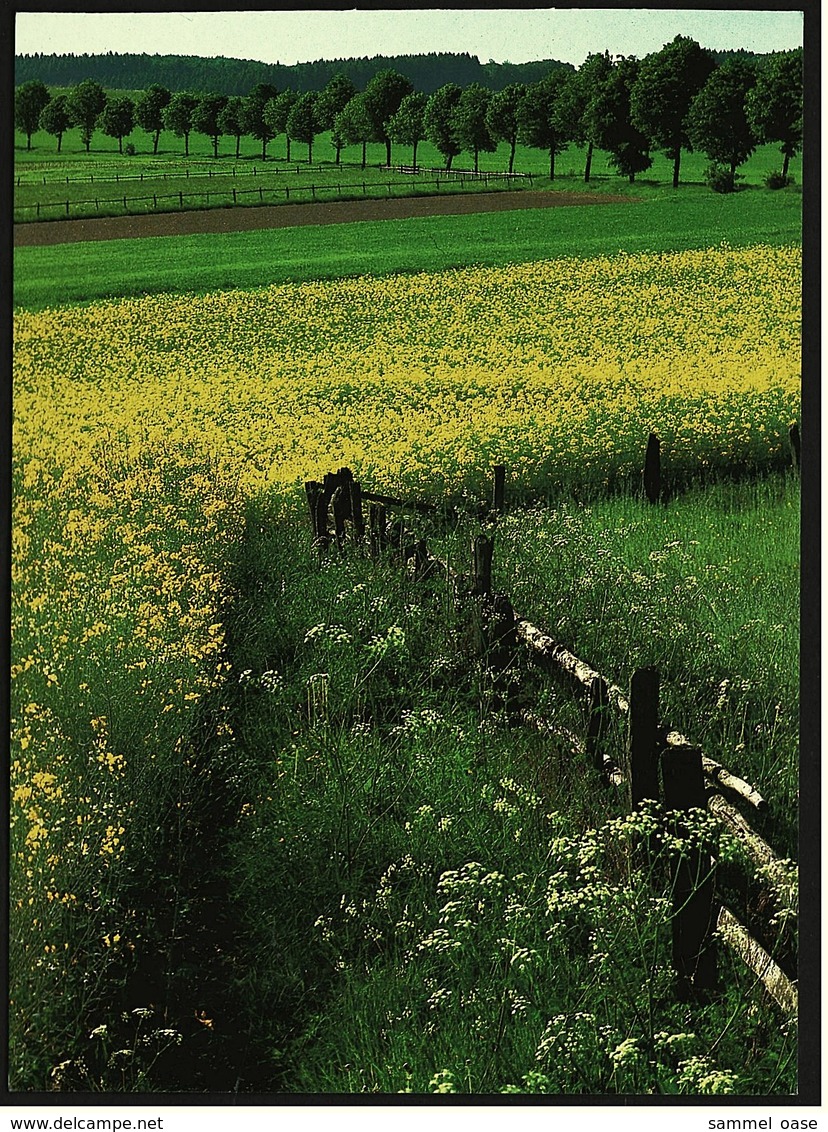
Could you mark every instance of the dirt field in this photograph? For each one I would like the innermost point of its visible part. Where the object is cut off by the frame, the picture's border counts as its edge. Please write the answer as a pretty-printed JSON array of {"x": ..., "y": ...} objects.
[{"x": 39, "y": 233}]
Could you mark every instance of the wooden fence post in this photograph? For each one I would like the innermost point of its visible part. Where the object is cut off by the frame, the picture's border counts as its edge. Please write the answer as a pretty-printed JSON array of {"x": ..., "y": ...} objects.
[
  {"x": 652, "y": 469},
  {"x": 643, "y": 745},
  {"x": 482, "y": 551},
  {"x": 376, "y": 528},
  {"x": 499, "y": 489},
  {"x": 318, "y": 507},
  {"x": 796, "y": 445},
  {"x": 597, "y": 721},
  {"x": 356, "y": 510},
  {"x": 692, "y": 874}
]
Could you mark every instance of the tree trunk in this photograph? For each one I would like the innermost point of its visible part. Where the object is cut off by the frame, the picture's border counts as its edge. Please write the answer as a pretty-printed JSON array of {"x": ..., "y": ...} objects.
[
  {"x": 338, "y": 153},
  {"x": 448, "y": 162},
  {"x": 60, "y": 139},
  {"x": 475, "y": 161},
  {"x": 155, "y": 141},
  {"x": 512, "y": 156},
  {"x": 310, "y": 152},
  {"x": 552, "y": 163},
  {"x": 186, "y": 145},
  {"x": 215, "y": 146},
  {"x": 264, "y": 149},
  {"x": 676, "y": 168},
  {"x": 632, "y": 178},
  {"x": 287, "y": 139},
  {"x": 388, "y": 152},
  {"x": 364, "y": 150},
  {"x": 785, "y": 163},
  {"x": 29, "y": 139},
  {"x": 588, "y": 167},
  {"x": 414, "y": 158},
  {"x": 120, "y": 145},
  {"x": 238, "y": 145}
]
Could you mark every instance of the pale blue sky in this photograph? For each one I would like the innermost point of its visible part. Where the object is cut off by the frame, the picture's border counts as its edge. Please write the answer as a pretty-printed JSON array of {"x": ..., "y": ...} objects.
[{"x": 516, "y": 34}]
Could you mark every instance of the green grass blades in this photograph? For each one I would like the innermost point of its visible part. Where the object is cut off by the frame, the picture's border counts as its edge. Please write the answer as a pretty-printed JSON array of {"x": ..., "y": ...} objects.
[
  {"x": 441, "y": 903},
  {"x": 659, "y": 221}
]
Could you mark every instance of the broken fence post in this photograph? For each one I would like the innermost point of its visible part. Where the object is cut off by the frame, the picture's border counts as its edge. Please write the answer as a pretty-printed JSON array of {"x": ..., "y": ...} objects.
[
  {"x": 692, "y": 874},
  {"x": 643, "y": 745},
  {"x": 652, "y": 469},
  {"x": 482, "y": 551}
]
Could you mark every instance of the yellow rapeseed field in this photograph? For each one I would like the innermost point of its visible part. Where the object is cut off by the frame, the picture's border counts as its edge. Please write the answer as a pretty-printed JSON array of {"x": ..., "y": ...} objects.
[{"x": 140, "y": 425}]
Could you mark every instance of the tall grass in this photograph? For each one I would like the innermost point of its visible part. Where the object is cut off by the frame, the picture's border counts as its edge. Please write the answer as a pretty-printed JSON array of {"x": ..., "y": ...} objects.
[{"x": 440, "y": 902}]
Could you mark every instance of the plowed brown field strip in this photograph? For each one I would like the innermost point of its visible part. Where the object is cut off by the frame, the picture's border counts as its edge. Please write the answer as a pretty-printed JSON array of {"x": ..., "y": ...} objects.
[{"x": 39, "y": 233}]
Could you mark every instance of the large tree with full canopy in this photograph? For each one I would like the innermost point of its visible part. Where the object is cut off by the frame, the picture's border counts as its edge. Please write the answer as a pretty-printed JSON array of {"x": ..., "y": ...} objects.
[
  {"x": 667, "y": 83},
  {"x": 383, "y": 96}
]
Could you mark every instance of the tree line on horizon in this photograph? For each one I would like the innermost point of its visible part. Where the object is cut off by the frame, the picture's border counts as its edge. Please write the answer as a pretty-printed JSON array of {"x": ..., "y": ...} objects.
[
  {"x": 221, "y": 75},
  {"x": 677, "y": 99}
]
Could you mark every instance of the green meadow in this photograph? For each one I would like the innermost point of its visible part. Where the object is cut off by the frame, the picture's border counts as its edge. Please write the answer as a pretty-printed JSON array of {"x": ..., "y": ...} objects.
[{"x": 351, "y": 870}]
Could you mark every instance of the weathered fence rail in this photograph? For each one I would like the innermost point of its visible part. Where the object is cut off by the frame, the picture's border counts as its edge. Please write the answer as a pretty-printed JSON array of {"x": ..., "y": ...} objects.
[
  {"x": 658, "y": 763},
  {"x": 224, "y": 197}
]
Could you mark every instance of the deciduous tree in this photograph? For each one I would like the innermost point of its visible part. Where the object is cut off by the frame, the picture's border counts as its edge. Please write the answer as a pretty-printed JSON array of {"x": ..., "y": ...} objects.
[
  {"x": 774, "y": 105},
  {"x": 502, "y": 117},
  {"x": 667, "y": 83},
  {"x": 469, "y": 122},
  {"x": 149, "y": 111},
  {"x": 85, "y": 103},
  {"x": 178, "y": 117},
  {"x": 609, "y": 122},
  {"x": 383, "y": 96},
  {"x": 439, "y": 121},
  {"x": 231, "y": 120},
  {"x": 276, "y": 114},
  {"x": 54, "y": 118},
  {"x": 30, "y": 99},
  {"x": 332, "y": 99},
  {"x": 302, "y": 122},
  {"x": 545, "y": 122},
  {"x": 117, "y": 119},
  {"x": 407, "y": 126},
  {"x": 717, "y": 123},
  {"x": 584, "y": 86},
  {"x": 207, "y": 117},
  {"x": 353, "y": 125},
  {"x": 254, "y": 118}
]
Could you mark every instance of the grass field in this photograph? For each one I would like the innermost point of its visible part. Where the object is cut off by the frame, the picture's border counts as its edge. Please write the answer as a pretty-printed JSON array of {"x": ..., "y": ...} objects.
[
  {"x": 271, "y": 830},
  {"x": 658, "y": 221}
]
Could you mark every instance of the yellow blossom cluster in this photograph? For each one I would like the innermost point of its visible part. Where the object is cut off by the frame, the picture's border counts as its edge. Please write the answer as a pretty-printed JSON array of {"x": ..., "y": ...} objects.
[
  {"x": 557, "y": 368},
  {"x": 141, "y": 424}
]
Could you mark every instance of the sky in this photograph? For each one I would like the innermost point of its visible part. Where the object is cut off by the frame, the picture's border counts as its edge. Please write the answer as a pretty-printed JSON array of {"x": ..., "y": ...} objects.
[{"x": 500, "y": 34}]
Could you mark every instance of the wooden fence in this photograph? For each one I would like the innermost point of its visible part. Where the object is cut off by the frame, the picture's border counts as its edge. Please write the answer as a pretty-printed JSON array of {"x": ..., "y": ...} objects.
[
  {"x": 655, "y": 762},
  {"x": 225, "y": 197}
]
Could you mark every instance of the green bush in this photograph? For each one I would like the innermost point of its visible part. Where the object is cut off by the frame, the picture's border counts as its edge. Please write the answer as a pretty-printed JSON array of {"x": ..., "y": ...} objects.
[
  {"x": 777, "y": 180},
  {"x": 720, "y": 179}
]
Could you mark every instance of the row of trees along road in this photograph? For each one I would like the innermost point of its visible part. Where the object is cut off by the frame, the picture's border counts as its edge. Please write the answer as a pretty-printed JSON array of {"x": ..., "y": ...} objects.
[{"x": 677, "y": 99}]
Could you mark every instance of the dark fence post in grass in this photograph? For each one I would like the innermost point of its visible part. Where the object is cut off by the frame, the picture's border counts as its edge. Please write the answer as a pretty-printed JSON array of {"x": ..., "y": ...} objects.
[
  {"x": 499, "y": 489},
  {"x": 796, "y": 445},
  {"x": 376, "y": 528},
  {"x": 356, "y": 510},
  {"x": 597, "y": 721},
  {"x": 67, "y": 208},
  {"x": 643, "y": 746},
  {"x": 502, "y": 640},
  {"x": 318, "y": 506},
  {"x": 692, "y": 875},
  {"x": 482, "y": 551},
  {"x": 652, "y": 469},
  {"x": 154, "y": 201}
]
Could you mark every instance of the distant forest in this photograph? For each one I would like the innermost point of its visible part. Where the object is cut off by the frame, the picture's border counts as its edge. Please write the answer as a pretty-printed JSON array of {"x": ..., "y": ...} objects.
[{"x": 238, "y": 76}]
